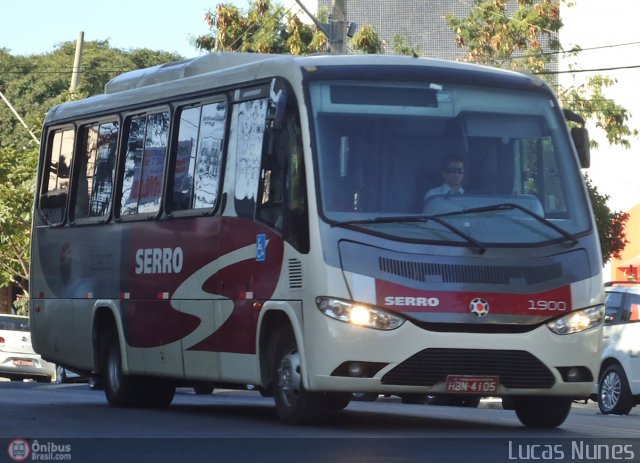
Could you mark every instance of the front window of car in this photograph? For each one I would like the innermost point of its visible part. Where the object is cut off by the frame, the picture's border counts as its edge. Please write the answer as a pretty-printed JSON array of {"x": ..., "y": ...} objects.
[{"x": 381, "y": 146}]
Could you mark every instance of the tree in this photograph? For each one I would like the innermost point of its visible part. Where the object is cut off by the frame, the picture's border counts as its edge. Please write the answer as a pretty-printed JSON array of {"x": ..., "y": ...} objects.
[
  {"x": 367, "y": 40},
  {"x": 499, "y": 33},
  {"x": 610, "y": 224},
  {"x": 264, "y": 29},
  {"x": 34, "y": 84},
  {"x": 17, "y": 169}
]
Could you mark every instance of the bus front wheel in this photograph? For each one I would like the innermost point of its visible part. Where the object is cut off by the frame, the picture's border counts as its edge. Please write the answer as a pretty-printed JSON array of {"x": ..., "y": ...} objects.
[
  {"x": 542, "y": 411},
  {"x": 121, "y": 390},
  {"x": 294, "y": 404}
]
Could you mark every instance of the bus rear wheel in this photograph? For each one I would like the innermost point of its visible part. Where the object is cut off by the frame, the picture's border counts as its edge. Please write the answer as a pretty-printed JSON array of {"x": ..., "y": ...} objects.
[
  {"x": 542, "y": 411},
  {"x": 294, "y": 404}
]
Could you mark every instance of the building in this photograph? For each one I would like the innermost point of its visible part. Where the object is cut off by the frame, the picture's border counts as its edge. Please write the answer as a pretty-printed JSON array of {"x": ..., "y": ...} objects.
[
  {"x": 422, "y": 23},
  {"x": 626, "y": 268}
]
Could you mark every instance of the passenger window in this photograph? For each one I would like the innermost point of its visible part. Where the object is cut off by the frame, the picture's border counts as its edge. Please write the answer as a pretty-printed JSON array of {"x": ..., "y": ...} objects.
[
  {"x": 250, "y": 127},
  {"x": 55, "y": 189},
  {"x": 613, "y": 303},
  {"x": 144, "y": 164},
  {"x": 96, "y": 170},
  {"x": 199, "y": 157}
]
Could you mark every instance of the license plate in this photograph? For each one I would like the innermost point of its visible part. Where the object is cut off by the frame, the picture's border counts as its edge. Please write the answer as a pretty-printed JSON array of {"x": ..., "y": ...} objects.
[
  {"x": 23, "y": 362},
  {"x": 465, "y": 384}
]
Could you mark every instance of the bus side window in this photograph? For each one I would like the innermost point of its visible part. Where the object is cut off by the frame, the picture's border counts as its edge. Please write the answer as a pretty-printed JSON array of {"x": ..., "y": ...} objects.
[
  {"x": 55, "y": 188},
  {"x": 250, "y": 126},
  {"x": 283, "y": 192},
  {"x": 296, "y": 220},
  {"x": 144, "y": 164},
  {"x": 199, "y": 157},
  {"x": 96, "y": 171}
]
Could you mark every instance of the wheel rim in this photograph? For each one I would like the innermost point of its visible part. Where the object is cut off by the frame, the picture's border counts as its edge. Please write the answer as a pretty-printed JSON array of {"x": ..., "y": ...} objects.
[
  {"x": 289, "y": 379},
  {"x": 610, "y": 390}
]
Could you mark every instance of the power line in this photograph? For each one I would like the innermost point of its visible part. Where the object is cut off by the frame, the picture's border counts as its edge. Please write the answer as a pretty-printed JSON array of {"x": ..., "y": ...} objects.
[{"x": 615, "y": 68}]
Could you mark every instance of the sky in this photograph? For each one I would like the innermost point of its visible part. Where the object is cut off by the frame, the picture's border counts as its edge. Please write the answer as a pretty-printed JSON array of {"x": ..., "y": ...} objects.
[
  {"x": 37, "y": 26},
  {"x": 611, "y": 39}
]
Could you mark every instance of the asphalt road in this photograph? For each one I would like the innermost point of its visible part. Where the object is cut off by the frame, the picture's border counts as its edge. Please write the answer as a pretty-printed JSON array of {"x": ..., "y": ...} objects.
[{"x": 241, "y": 426}]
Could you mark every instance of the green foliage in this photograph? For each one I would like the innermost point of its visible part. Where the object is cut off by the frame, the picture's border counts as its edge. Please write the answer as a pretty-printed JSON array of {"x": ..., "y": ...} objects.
[
  {"x": 17, "y": 182},
  {"x": 493, "y": 34},
  {"x": 33, "y": 84},
  {"x": 610, "y": 224},
  {"x": 589, "y": 100},
  {"x": 367, "y": 40},
  {"x": 401, "y": 47},
  {"x": 497, "y": 36},
  {"x": 265, "y": 28}
]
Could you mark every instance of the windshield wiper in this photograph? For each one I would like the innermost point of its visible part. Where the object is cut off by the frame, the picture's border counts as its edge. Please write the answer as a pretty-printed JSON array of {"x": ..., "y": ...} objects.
[
  {"x": 506, "y": 206},
  {"x": 417, "y": 218}
]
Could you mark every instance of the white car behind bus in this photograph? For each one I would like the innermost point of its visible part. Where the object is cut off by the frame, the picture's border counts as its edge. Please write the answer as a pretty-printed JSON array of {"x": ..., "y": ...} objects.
[
  {"x": 618, "y": 388},
  {"x": 18, "y": 361}
]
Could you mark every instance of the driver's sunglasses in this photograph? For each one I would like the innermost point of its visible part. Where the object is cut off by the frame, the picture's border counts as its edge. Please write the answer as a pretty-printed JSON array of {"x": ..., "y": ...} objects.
[{"x": 455, "y": 170}]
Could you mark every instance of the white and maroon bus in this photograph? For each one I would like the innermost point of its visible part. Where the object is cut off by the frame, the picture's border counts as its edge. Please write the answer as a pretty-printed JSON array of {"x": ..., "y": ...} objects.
[{"x": 240, "y": 219}]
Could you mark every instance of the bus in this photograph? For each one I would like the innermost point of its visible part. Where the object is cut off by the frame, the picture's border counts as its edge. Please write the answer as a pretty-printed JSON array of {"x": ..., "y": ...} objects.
[{"x": 245, "y": 219}]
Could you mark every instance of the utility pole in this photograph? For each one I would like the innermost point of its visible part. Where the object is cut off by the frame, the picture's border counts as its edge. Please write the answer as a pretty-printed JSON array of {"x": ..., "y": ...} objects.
[
  {"x": 75, "y": 75},
  {"x": 338, "y": 26},
  {"x": 15, "y": 113},
  {"x": 336, "y": 31}
]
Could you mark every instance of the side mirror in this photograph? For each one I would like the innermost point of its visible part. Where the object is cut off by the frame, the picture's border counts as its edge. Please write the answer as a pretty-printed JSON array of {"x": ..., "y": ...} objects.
[{"x": 580, "y": 137}]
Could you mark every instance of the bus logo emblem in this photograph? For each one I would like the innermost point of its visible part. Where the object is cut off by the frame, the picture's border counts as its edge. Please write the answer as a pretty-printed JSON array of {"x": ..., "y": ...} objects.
[{"x": 479, "y": 307}]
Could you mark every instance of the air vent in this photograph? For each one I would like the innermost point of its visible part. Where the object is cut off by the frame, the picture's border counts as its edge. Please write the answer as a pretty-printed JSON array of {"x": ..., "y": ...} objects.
[
  {"x": 458, "y": 273},
  {"x": 516, "y": 369},
  {"x": 295, "y": 274}
]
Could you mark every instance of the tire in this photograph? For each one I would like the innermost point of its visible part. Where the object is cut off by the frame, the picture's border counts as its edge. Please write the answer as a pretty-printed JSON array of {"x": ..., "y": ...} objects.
[
  {"x": 294, "y": 404},
  {"x": 413, "y": 399},
  {"x": 469, "y": 401},
  {"x": 161, "y": 392},
  {"x": 438, "y": 400},
  {"x": 121, "y": 390},
  {"x": 203, "y": 388},
  {"x": 365, "y": 396},
  {"x": 614, "y": 395},
  {"x": 338, "y": 400},
  {"x": 542, "y": 412}
]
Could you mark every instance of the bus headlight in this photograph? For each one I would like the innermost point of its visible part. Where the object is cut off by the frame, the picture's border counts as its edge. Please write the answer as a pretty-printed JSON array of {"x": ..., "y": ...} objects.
[
  {"x": 358, "y": 314},
  {"x": 577, "y": 321}
]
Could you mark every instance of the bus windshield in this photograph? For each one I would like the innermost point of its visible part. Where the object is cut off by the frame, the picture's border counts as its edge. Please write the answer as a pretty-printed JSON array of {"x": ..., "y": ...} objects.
[{"x": 385, "y": 150}]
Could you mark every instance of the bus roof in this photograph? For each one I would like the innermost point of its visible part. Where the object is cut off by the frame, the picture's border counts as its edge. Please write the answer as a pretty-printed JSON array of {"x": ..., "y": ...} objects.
[
  {"x": 218, "y": 61},
  {"x": 196, "y": 74}
]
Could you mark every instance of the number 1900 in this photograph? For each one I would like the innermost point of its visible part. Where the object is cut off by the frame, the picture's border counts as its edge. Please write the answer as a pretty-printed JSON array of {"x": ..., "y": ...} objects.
[{"x": 557, "y": 306}]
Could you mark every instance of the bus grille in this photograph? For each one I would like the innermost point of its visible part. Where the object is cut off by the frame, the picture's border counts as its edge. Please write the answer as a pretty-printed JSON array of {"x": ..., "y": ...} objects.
[
  {"x": 459, "y": 273},
  {"x": 516, "y": 369}
]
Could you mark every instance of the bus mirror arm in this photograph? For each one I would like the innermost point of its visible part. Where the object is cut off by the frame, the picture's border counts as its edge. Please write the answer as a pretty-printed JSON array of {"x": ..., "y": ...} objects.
[{"x": 280, "y": 112}]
